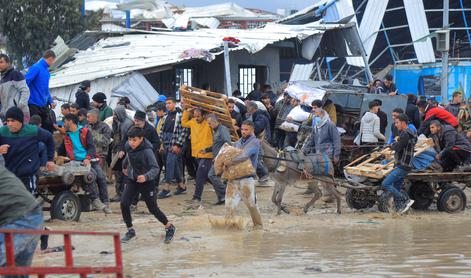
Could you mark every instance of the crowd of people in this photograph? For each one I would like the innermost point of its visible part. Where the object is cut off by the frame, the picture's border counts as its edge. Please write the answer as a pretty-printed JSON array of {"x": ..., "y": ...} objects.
[{"x": 155, "y": 153}]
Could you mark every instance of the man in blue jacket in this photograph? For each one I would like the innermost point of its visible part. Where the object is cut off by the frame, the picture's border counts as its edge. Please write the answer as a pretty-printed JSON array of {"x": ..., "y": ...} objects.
[
  {"x": 20, "y": 145},
  {"x": 40, "y": 98}
]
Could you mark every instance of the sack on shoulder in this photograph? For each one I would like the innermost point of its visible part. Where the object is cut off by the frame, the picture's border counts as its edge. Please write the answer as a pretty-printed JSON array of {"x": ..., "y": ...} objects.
[{"x": 238, "y": 171}]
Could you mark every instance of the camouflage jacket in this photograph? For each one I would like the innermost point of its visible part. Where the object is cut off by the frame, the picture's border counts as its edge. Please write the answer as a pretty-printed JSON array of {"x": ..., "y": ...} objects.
[{"x": 101, "y": 134}]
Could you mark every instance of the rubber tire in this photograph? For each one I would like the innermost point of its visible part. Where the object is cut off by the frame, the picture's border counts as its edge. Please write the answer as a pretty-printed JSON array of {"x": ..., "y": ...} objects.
[
  {"x": 356, "y": 199},
  {"x": 419, "y": 191},
  {"x": 384, "y": 199},
  {"x": 60, "y": 200},
  {"x": 445, "y": 196}
]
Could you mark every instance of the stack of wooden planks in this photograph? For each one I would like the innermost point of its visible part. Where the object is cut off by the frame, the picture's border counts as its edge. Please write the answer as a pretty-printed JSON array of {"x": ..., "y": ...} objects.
[
  {"x": 210, "y": 102},
  {"x": 370, "y": 165}
]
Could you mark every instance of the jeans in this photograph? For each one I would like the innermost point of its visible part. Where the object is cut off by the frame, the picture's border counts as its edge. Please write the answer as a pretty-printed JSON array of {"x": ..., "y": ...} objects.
[
  {"x": 261, "y": 170},
  {"x": 43, "y": 112},
  {"x": 204, "y": 165},
  {"x": 173, "y": 166},
  {"x": 242, "y": 189},
  {"x": 101, "y": 183},
  {"x": 393, "y": 183},
  {"x": 147, "y": 192},
  {"x": 189, "y": 162},
  {"x": 218, "y": 184},
  {"x": 24, "y": 244}
]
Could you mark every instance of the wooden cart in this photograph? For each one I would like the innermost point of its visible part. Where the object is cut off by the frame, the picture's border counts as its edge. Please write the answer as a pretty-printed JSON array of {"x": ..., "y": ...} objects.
[
  {"x": 425, "y": 187},
  {"x": 64, "y": 190}
]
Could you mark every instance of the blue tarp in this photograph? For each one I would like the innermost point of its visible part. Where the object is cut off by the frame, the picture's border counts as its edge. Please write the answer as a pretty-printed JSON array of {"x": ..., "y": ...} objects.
[{"x": 418, "y": 79}]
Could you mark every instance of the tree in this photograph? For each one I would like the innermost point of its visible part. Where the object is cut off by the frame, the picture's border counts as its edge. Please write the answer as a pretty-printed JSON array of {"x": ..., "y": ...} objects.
[{"x": 31, "y": 26}]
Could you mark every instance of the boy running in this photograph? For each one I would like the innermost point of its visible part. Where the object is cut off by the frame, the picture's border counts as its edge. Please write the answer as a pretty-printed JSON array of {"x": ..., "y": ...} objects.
[{"x": 140, "y": 168}]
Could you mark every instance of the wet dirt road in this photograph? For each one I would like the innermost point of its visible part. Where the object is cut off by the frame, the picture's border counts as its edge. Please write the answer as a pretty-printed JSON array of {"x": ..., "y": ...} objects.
[{"x": 320, "y": 244}]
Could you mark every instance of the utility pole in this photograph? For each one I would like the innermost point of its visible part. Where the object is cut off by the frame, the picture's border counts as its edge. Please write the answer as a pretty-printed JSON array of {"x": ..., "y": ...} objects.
[
  {"x": 227, "y": 69},
  {"x": 444, "y": 77}
]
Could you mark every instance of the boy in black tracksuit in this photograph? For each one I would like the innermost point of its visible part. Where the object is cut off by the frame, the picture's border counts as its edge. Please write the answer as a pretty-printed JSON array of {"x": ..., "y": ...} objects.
[{"x": 140, "y": 168}]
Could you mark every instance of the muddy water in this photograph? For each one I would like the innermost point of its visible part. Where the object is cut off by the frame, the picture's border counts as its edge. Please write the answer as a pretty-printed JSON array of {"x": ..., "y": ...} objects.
[
  {"x": 366, "y": 249},
  {"x": 319, "y": 244}
]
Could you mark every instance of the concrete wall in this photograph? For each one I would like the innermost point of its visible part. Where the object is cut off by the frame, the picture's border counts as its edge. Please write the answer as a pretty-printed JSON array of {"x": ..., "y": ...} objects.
[{"x": 213, "y": 72}]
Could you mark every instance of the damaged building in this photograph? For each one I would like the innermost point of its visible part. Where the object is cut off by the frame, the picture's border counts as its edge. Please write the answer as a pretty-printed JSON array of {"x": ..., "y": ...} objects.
[{"x": 141, "y": 64}]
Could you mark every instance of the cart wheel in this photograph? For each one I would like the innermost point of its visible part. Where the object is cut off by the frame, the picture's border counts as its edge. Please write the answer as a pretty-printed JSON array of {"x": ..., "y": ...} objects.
[
  {"x": 89, "y": 178},
  {"x": 386, "y": 200},
  {"x": 422, "y": 194},
  {"x": 451, "y": 200},
  {"x": 359, "y": 199},
  {"x": 66, "y": 206},
  {"x": 68, "y": 178}
]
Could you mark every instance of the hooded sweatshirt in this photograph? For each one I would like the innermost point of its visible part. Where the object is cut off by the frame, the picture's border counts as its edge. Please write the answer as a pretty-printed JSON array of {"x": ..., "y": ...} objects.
[
  {"x": 449, "y": 139},
  {"x": 141, "y": 161},
  {"x": 121, "y": 127},
  {"x": 325, "y": 138},
  {"x": 370, "y": 128},
  {"x": 404, "y": 149},
  {"x": 14, "y": 92},
  {"x": 82, "y": 99}
]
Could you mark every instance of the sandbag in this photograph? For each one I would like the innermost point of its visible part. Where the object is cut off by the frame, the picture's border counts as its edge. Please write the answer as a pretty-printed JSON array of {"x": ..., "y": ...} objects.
[
  {"x": 232, "y": 172},
  {"x": 298, "y": 114},
  {"x": 289, "y": 127}
]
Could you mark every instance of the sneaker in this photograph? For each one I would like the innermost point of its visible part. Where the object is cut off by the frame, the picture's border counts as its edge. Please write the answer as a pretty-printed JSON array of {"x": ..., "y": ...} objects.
[
  {"x": 107, "y": 209},
  {"x": 195, "y": 200},
  {"x": 98, "y": 205},
  {"x": 220, "y": 202},
  {"x": 116, "y": 199},
  {"x": 180, "y": 191},
  {"x": 164, "y": 194},
  {"x": 406, "y": 206},
  {"x": 131, "y": 233},
  {"x": 263, "y": 179},
  {"x": 169, "y": 232}
]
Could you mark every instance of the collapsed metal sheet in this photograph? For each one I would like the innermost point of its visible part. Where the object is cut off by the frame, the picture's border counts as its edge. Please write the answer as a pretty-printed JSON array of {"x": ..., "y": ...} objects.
[
  {"x": 341, "y": 43},
  {"x": 369, "y": 27},
  {"x": 301, "y": 72},
  {"x": 419, "y": 30}
]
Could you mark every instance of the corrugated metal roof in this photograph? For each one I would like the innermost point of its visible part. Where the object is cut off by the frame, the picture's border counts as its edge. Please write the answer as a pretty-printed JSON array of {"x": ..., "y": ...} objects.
[
  {"x": 418, "y": 27},
  {"x": 301, "y": 72},
  {"x": 121, "y": 55},
  {"x": 369, "y": 27}
]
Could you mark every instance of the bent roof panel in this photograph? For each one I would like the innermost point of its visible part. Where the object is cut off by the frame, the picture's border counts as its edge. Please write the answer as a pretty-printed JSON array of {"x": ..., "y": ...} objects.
[{"x": 121, "y": 55}]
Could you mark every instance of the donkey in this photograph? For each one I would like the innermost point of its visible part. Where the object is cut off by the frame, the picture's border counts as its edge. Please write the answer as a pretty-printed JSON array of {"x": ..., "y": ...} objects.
[{"x": 293, "y": 165}]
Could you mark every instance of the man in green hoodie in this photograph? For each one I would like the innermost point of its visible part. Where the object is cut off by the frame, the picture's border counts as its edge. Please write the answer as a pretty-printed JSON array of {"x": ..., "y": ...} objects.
[{"x": 99, "y": 102}]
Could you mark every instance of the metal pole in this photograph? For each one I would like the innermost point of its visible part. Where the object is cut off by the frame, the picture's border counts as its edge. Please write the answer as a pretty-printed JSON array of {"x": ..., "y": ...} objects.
[
  {"x": 128, "y": 19},
  {"x": 227, "y": 66},
  {"x": 84, "y": 12},
  {"x": 318, "y": 67},
  {"x": 369, "y": 75},
  {"x": 444, "y": 78}
]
